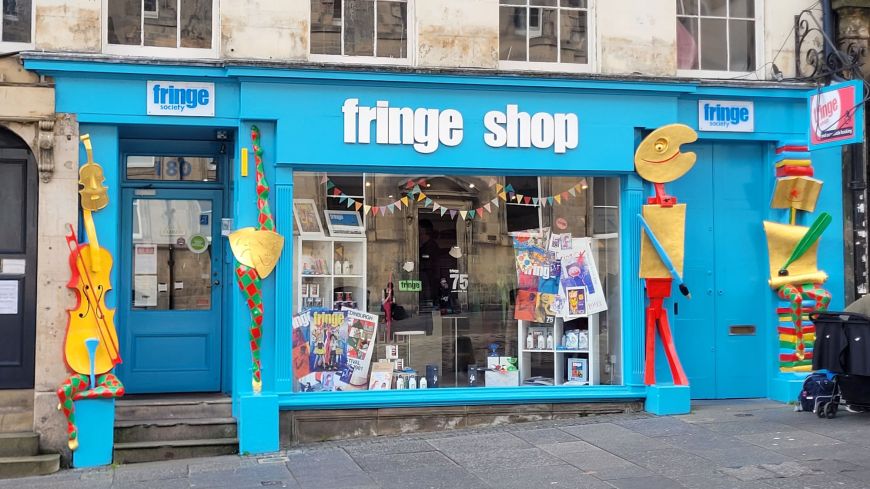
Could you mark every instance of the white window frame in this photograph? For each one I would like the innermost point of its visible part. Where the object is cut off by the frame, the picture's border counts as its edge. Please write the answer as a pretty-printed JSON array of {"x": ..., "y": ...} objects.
[
  {"x": 9, "y": 46},
  {"x": 556, "y": 66},
  {"x": 760, "y": 63},
  {"x": 411, "y": 49},
  {"x": 162, "y": 52}
]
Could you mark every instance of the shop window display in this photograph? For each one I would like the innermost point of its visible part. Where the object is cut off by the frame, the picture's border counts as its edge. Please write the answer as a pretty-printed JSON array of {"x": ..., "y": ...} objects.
[{"x": 438, "y": 281}]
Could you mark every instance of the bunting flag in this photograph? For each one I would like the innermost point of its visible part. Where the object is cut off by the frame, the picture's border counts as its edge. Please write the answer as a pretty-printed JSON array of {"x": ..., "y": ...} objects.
[{"x": 505, "y": 193}]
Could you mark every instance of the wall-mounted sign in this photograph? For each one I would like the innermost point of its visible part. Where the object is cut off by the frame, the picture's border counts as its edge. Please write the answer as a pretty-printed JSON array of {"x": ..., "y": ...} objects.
[
  {"x": 836, "y": 117},
  {"x": 726, "y": 115},
  {"x": 180, "y": 98},
  {"x": 410, "y": 285},
  {"x": 426, "y": 129}
]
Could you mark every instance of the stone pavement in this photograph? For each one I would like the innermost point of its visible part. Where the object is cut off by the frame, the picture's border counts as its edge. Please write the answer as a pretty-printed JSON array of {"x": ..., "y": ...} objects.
[{"x": 738, "y": 444}]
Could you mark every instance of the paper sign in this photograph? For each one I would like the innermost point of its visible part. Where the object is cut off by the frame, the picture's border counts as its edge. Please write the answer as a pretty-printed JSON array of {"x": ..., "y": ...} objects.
[
  {"x": 410, "y": 285},
  {"x": 178, "y": 285},
  {"x": 8, "y": 297},
  {"x": 145, "y": 259},
  {"x": 12, "y": 267},
  {"x": 836, "y": 114},
  {"x": 145, "y": 290},
  {"x": 162, "y": 287}
]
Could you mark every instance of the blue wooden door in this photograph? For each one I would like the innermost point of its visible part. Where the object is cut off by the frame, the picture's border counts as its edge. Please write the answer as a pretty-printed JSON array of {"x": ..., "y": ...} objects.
[
  {"x": 718, "y": 331},
  {"x": 171, "y": 271}
]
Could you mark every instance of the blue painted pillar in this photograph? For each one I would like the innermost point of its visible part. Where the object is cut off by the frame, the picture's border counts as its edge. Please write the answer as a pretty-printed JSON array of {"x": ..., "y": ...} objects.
[
  {"x": 257, "y": 413},
  {"x": 632, "y": 289},
  {"x": 284, "y": 285}
]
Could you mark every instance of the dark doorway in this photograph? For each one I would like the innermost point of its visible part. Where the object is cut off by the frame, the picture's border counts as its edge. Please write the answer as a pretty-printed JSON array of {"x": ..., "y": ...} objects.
[{"x": 18, "y": 211}]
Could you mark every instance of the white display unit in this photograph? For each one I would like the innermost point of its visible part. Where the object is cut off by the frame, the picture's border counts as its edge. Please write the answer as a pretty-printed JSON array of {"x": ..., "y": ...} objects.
[
  {"x": 559, "y": 356},
  {"x": 315, "y": 268}
]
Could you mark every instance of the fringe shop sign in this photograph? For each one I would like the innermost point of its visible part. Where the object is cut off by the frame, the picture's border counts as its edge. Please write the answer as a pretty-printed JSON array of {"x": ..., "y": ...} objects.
[{"x": 426, "y": 129}]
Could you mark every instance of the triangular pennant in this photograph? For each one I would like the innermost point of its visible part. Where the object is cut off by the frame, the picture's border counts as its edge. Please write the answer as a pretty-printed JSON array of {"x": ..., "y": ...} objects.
[
  {"x": 543, "y": 202},
  {"x": 416, "y": 189},
  {"x": 374, "y": 210},
  {"x": 558, "y": 199},
  {"x": 392, "y": 208},
  {"x": 565, "y": 195},
  {"x": 495, "y": 201},
  {"x": 366, "y": 209},
  {"x": 511, "y": 195},
  {"x": 488, "y": 209},
  {"x": 471, "y": 214},
  {"x": 527, "y": 199},
  {"x": 404, "y": 201},
  {"x": 398, "y": 204},
  {"x": 350, "y": 203},
  {"x": 572, "y": 192},
  {"x": 452, "y": 213},
  {"x": 550, "y": 200},
  {"x": 427, "y": 202},
  {"x": 502, "y": 196},
  {"x": 509, "y": 188},
  {"x": 336, "y": 191},
  {"x": 342, "y": 199},
  {"x": 422, "y": 181},
  {"x": 479, "y": 211},
  {"x": 463, "y": 214},
  {"x": 410, "y": 184},
  {"x": 499, "y": 187},
  {"x": 535, "y": 200},
  {"x": 579, "y": 186},
  {"x": 520, "y": 198},
  {"x": 435, "y": 206},
  {"x": 329, "y": 184},
  {"x": 443, "y": 211},
  {"x": 324, "y": 179},
  {"x": 383, "y": 210},
  {"x": 356, "y": 206},
  {"x": 421, "y": 197},
  {"x": 491, "y": 181}
]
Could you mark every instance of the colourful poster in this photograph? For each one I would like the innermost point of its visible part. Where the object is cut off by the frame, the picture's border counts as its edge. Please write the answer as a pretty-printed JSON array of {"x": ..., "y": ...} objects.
[
  {"x": 361, "y": 330},
  {"x": 301, "y": 352},
  {"x": 579, "y": 270}
]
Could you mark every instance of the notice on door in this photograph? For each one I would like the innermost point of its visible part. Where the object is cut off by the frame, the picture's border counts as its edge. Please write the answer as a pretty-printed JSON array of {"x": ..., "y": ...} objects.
[
  {"x": 145, "y": 259},
  {"x": 145, "y": 290},
  {"x": 8, "y": 297}
]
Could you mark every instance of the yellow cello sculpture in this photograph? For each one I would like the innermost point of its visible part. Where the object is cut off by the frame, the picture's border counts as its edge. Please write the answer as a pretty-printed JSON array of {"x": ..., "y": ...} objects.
[{"x": 90, "y": 321}]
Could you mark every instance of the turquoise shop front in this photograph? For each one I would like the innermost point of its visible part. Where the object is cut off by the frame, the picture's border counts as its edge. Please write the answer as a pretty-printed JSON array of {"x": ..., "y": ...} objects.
[{"x": 448, "y": 240}]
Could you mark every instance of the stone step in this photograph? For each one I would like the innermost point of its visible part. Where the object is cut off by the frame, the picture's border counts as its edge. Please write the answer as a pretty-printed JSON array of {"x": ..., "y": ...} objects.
[
  {"x": 173, "y": 407},
  {"x": 128, "y": 431},
  {"x": 152, "y": 451},
  {"x": 29, "y": 466},
  {"x": 19, "y": 444}
]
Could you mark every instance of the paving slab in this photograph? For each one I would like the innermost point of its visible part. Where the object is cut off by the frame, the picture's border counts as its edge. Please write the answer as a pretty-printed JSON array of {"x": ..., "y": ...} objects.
[
  {"x": 651, "y": 482},
  {"x": 546, "y": 436},
  {"x": 402, "y": 461},
  {"x": 559, "y": 476},
  {"x": 429, "y": 478},
  {"x": 779, "y": 440}
]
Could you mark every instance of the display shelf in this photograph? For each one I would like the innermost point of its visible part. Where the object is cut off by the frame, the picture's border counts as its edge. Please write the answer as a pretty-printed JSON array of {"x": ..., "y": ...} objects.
[
  {"x": 326, "y": 256},
  {"x": 559, "y": 356}
]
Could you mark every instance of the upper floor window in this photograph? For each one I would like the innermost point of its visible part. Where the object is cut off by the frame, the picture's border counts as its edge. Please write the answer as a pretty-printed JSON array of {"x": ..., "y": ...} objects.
[
  {"x": 376, "y": 28},
  {"x": 17, "y": 21},
  {"x": 161, "y": 27},
  {"x": 548, "y": 31},
  {"x": 716, "y": 35}
]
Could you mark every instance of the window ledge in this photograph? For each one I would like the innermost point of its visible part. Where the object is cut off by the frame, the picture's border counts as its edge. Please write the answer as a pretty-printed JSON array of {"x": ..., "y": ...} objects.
[
  {"x": 358, "y": 60},
  {"x": 159, "y": 52},
  {"x": 11, "y": 47},
  {"x": 545, "y": 67},
  {"x": 723, "y": 75}
]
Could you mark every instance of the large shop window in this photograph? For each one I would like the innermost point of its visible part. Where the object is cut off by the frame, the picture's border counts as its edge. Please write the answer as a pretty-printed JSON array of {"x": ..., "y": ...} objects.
[
  {"x": 161, "y": 24},
  {"x": 375, "y": 28},
  {"x": 439, "y": 281},
  {"x": 16, "y": 25},
  {"x": 547, "y": 31},
  {"x": 716, "y": 35}
]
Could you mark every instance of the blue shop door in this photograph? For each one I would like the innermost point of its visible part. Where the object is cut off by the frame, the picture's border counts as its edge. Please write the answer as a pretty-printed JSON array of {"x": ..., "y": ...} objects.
[
  {"x": 170, "y": 303},
  {"x": 719, "y": 331}
]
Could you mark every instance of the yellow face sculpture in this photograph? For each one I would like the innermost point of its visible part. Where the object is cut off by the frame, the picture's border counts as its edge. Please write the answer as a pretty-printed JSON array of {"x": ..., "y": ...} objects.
[{"x": 658, "y": 159}]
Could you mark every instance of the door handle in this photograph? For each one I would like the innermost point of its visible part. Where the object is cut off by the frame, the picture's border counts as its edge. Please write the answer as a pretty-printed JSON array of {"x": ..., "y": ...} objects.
[{"x": 217, "y": 282}]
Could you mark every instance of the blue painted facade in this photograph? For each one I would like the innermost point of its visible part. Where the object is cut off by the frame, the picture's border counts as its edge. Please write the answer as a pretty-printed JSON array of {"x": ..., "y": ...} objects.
[{"x": 299, "y": 114}]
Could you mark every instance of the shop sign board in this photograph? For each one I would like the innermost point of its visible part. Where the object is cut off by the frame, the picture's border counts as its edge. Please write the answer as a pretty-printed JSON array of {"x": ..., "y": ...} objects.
[
  {"x": 410, "y": 285},
  {"x": 426, "y": 129},
  {"x": 836, "y": 115},
  {"x": 726, "y": 115},
  {"x": 187, "y": 99}
]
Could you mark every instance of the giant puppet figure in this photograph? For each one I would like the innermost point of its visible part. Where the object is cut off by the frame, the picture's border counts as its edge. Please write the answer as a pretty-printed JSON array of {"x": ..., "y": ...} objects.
[
  {"x": 91, "y": 345},
  {"x": 257, "y": 251},
  {"x": 794, "y": 273},
  {"x": 659, "y": 160}
]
